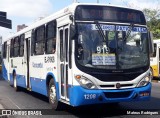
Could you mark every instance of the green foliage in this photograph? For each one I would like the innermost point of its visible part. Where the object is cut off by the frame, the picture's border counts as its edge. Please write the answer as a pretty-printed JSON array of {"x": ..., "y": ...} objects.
[{"x": 153, "y": 21}]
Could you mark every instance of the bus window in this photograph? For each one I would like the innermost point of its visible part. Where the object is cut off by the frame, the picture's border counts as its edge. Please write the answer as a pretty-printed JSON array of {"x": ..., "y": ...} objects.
[
  {"x": 16, "y": 47},
  {"x": 11, "y": 49},
  {"x": 61, "y": 46},
  {"x": 51, "y": 38},
  {"x": 21, "y": 45},
  {"x": 32, "y": 41},
  {"x": 155, "y": 50},
  {"x": 39, "y": 40},
  {"x": 4, "y": 49}
]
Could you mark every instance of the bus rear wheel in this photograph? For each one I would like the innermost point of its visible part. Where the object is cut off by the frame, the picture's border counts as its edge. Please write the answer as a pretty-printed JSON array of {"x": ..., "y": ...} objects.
[
  {"x": 15, "y": 83},
  {"x": 56, "y": 105}
]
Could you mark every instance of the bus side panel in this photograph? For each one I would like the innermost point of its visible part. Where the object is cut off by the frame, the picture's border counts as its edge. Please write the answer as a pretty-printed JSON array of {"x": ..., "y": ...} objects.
[
  {"x": 4, "y": 71},
  {"x": 21, "y": 81},
  {"x": 38, "y": 74},
  {"x": 38, "y": 85},
  {"x": 17, "y": 67}
]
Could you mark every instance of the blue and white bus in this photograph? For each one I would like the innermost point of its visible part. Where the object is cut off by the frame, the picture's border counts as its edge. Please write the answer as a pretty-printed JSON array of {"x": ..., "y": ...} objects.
[{"x": 83, "y": 54}]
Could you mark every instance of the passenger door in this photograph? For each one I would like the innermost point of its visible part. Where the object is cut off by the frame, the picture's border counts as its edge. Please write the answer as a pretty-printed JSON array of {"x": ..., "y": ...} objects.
[
  {"x": 26, "y": 60},
  {"x": 63, "y": 70}
]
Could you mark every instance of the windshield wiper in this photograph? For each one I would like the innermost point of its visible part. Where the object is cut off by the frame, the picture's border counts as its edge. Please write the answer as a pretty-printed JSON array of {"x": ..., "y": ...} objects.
[
  {"x": 100, "y": 31},
  {"x": 128, "y": 32}
]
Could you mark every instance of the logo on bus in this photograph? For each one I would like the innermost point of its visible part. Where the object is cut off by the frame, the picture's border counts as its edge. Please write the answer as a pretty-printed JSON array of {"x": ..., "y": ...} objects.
[
  {"x": 49, "y": 59},
  {"x": 118, "y": 85}
]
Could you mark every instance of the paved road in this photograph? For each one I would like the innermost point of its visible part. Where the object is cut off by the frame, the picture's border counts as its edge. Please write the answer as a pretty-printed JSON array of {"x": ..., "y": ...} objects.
[{"x": 29, "y": 100}]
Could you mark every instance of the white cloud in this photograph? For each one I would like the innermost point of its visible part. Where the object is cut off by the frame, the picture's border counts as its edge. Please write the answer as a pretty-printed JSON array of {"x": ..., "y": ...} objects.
[
  {"x": 22, "y": 11},
  {"x": 5, "y": 33},
  {"x": 26, "y": 8},
  {"x": 141, "y": 4}
]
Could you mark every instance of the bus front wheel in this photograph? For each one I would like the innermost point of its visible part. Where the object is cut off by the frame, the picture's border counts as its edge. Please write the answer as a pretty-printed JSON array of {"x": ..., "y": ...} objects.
[{"x": 56, "y": 105}]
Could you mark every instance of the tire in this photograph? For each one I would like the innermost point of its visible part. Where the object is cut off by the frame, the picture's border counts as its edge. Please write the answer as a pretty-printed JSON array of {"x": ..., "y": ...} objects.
[
  {"x": 15, "y": 83},
  {"x": 52, "y": 95}
]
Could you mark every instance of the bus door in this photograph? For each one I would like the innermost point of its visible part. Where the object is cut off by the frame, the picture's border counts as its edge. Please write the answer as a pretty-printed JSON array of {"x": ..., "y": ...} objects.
[
  {"x": 26, "y": 62},
  {"x": 63, "y": 82}
]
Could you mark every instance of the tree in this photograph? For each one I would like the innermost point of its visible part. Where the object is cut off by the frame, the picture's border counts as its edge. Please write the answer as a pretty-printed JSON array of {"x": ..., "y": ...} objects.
[{"x": 153, "y": 21}]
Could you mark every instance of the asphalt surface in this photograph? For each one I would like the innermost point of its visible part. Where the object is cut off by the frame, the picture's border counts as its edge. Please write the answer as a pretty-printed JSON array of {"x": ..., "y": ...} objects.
[{"x": 24, "y": 99}]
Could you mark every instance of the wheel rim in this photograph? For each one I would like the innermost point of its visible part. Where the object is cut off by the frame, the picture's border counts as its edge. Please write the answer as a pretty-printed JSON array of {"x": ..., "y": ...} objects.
[
  {"x": 52, "y": 94},
  {"x": 15, "y": 83}
]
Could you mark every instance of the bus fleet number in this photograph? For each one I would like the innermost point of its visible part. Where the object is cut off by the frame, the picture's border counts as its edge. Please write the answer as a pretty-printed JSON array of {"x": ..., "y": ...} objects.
[{"x": 90, "y": 96}]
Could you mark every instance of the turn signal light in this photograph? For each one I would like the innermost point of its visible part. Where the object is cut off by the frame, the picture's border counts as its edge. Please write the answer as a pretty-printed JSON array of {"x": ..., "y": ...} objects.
[
  {"x": 78, "y": 77},
  {"x": 144, "y": 94}
]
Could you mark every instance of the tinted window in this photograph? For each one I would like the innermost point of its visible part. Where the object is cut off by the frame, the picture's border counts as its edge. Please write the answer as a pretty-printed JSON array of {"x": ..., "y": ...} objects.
[
  {"x": 51, "y": 37},
  {"x": 22, "y": 45},
  {"x": 11, "y": 47},
  {"x": 39, "y": 40},
  {"x": 4, "y": 49},
  {"x": 16, "y": 47}
]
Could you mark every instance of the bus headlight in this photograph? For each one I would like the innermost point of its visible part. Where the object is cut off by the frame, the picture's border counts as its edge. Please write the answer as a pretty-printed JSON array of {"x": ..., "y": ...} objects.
[
  {"x": 84, "y": 82},
  {"x": 144, "y": 81}
]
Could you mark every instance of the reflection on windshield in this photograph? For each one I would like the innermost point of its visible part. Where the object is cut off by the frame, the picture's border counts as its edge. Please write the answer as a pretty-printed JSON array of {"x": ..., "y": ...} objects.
[{"x": 114, "y": 52}]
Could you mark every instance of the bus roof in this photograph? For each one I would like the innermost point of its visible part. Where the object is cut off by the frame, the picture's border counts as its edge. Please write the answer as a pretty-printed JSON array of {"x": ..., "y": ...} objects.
[{"x": 67, "y": 10}]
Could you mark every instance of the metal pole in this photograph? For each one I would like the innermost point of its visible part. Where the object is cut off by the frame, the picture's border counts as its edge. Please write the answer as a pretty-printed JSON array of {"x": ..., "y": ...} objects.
[{"x": 97, "y": 1}]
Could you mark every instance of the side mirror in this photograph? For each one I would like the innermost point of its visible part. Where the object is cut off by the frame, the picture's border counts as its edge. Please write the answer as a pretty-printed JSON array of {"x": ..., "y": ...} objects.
[
  {"x": 72, "y": 31},
  {"x": 151, "y": 46}
]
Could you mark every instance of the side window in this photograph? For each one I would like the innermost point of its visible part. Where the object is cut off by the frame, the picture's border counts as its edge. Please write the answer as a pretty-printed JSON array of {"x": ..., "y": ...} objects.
[
  {"x": 4, "y": 50},
  {"x": 61, "y": 46},
  {"x": 21, "y": 45},
  {"x": 11, "y": 48},
  {"x": 66, "y": 42},
  {"x": 32, "y": 42},
  {"x": 39, "y": 40},
  {"x": 51, "y": 37},
  {"x": 16, "y": 47},
  {"x": 155, "y": 50}
]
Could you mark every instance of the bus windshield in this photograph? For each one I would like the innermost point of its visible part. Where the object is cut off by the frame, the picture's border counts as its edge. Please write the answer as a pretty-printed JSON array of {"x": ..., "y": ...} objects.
[{"x": 120, "y": 47}]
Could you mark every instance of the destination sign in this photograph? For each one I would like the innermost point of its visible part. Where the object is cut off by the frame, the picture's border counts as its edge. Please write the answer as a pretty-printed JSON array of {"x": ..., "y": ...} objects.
[
  {"x": 109, "y": 14},
  {"x": 117, "y": 28}
]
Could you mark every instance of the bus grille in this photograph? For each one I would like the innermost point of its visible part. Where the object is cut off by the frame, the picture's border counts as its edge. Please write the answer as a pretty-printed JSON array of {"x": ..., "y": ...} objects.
[
  {"x": 118, "y": 94},
  {"x": 122, "y": 85}
]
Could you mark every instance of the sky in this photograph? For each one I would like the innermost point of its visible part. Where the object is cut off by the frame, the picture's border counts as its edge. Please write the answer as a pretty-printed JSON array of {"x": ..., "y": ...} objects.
[{"x": 28, "y": 11}]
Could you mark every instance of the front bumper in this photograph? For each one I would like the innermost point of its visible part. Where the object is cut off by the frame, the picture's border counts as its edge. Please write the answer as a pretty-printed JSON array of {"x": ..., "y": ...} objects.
[{"x": 81, "y": 96}]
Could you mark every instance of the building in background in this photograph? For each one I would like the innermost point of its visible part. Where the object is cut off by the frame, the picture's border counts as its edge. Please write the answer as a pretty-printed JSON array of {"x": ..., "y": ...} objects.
[{"x": 20, "y": 27}]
